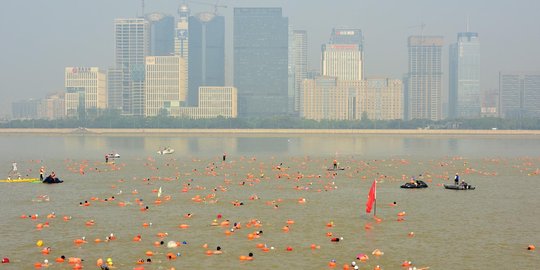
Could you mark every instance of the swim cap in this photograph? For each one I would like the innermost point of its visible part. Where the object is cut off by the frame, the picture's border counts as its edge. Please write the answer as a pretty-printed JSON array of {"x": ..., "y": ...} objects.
[{"x": 5, "y": 260}]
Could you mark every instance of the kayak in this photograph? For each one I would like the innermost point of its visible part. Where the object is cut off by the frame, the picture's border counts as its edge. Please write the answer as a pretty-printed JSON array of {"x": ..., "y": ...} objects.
[
  {"x": 419, "y": 184},
  {"x": 23, "y": 180},
  {"x": 459, "y": 187}
]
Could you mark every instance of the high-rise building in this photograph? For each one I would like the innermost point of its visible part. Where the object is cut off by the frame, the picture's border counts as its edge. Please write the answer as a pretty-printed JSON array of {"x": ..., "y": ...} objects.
[
  {"x": 181, "y": 38},
  {"x": 464, "y": 94},
  {"x": 181, "y": 44},
  {"x": 132, "y": 38},
  {"x": 162, "y": 31},
  {"x": 343, "y": 61},
  {"x": 261, "y": 61},
  {"x": 519, "y": 95},
  {"x": 350, "y": 36},
  {"x": 206, "y": 53},
  {"x": 164, "y": 82},
  {"x": 298, "y": 63},
  {"x": 424, "y": 91},
  {"x": 86, "y": 91}
]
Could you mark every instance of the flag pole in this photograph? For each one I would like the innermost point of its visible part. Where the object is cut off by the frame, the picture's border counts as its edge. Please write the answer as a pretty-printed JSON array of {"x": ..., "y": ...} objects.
[{"x": 375, "y": 208}]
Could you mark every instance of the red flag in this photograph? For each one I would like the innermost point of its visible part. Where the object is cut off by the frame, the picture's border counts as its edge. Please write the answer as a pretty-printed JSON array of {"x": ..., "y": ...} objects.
[{"x": 372, "y": 196}]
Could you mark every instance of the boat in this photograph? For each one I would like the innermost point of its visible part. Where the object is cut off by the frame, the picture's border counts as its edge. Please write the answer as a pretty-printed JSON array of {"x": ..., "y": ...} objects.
[
  {"x": 166, "y": 151},
  {"x": 337, "y": 169},
  {"x": 459, "y": 187},
  {"x": 22, "y": 180},
  {"x": 419, "y": 184},
  {"x": 52, "y": 180},
  {"x": 113, "y": 155}
]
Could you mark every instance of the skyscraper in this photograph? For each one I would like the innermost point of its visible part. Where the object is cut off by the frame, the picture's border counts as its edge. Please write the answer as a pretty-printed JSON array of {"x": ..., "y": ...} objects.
[
  {"x": 425, "y": 78},
  {"x": 86, "y": 90},
  {"x": 181, "y": 39},
  {"x": 164, "y": 82},
  {"x": 343, "y": 61},
  {"x": 299, "y": 65},
  {"x": 206, "y": 53},
  {"x": 349, "y": 36},
  {"x": 519, "y": 95},
  {"x": 464, "y": 94},
  {"x": 261, "y": 61},
  {"x": 161, "y": 34},
  {"x": 132, "y": 40}
]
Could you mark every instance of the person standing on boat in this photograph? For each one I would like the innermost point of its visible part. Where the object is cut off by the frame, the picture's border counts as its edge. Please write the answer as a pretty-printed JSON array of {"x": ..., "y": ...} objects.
[
  {"x": 456, "y": 179},
  {"x": 224, "y": 156},
  {"x": 14, "y": 171},
  {"x": 335, "y": 164},
  {"x": 41, "y": 172},
  {"x": 107, "y": 158}
]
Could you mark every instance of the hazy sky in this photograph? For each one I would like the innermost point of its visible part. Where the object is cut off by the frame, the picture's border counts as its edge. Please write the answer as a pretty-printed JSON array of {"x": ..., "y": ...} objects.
[{"x": 39, "y": 38}]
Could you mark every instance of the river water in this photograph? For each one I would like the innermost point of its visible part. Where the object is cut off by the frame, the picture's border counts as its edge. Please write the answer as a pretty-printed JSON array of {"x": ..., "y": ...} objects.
[{"x": 486, "y": 228}]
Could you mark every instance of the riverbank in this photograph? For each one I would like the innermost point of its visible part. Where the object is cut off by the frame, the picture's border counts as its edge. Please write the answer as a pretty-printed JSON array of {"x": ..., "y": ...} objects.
[{"x": 113, "y": 131}]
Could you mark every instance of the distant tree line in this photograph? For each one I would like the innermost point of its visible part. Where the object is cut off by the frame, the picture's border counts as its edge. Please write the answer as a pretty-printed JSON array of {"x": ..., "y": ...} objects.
[{"x": 112, "y": 120}]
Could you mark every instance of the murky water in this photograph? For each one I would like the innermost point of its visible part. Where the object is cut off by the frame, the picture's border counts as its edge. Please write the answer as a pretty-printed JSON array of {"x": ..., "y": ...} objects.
[{"x": 488, "y": 228}]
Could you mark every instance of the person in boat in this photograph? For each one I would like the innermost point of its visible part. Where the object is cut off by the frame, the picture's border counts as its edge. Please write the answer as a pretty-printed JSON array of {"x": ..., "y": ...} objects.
[
  {"x": 463, "y": 184},
  {"x": 335, "y": 164},
  {"x": 41, "y": 172},
  {"x": 413, "y": 181},
  {"x": 456, "y": 179},
  {"x": 52, "y": 179}
]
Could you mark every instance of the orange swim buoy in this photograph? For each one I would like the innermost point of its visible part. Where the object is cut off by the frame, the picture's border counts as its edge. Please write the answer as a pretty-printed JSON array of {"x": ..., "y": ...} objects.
[
  {"x": 183, "y": 226},
  {"x": 149, "y": 253},
  {"x": 531, "y": 247}
]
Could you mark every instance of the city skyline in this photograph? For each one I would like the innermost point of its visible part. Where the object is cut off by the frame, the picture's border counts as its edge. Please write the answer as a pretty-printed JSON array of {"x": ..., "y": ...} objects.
[{"x": 77, "y": 45}]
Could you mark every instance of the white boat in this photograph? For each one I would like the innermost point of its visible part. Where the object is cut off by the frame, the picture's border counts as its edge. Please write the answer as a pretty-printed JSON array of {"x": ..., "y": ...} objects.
[
  {"x": 166, "y": 151},
  {"x": 113, "y": 155}
]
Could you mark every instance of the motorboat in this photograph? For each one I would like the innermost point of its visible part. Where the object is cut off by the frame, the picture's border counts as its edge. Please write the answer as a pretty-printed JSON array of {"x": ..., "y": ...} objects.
[
  {"x": 113, "y": 155},
  {"x": 166, "y": 151},
  {"x": 416, "y": 184},
  {"x": 459, "y": 187}
]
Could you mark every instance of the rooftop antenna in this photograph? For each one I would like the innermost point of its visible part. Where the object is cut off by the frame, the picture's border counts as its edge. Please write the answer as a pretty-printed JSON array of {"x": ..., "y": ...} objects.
[{"x": 142, "y": 6}]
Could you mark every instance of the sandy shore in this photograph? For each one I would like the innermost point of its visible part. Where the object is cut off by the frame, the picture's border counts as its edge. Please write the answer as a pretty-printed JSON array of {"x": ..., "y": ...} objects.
[{"x": 267, "y": 131}]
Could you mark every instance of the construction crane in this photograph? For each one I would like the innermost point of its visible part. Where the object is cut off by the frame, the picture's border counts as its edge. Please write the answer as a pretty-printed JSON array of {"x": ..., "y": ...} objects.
[{"x": 216, "y": 5}]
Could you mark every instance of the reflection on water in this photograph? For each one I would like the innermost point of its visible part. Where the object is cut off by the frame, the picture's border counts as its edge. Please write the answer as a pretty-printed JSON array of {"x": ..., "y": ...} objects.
[{"x": 376, "y": 146}]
